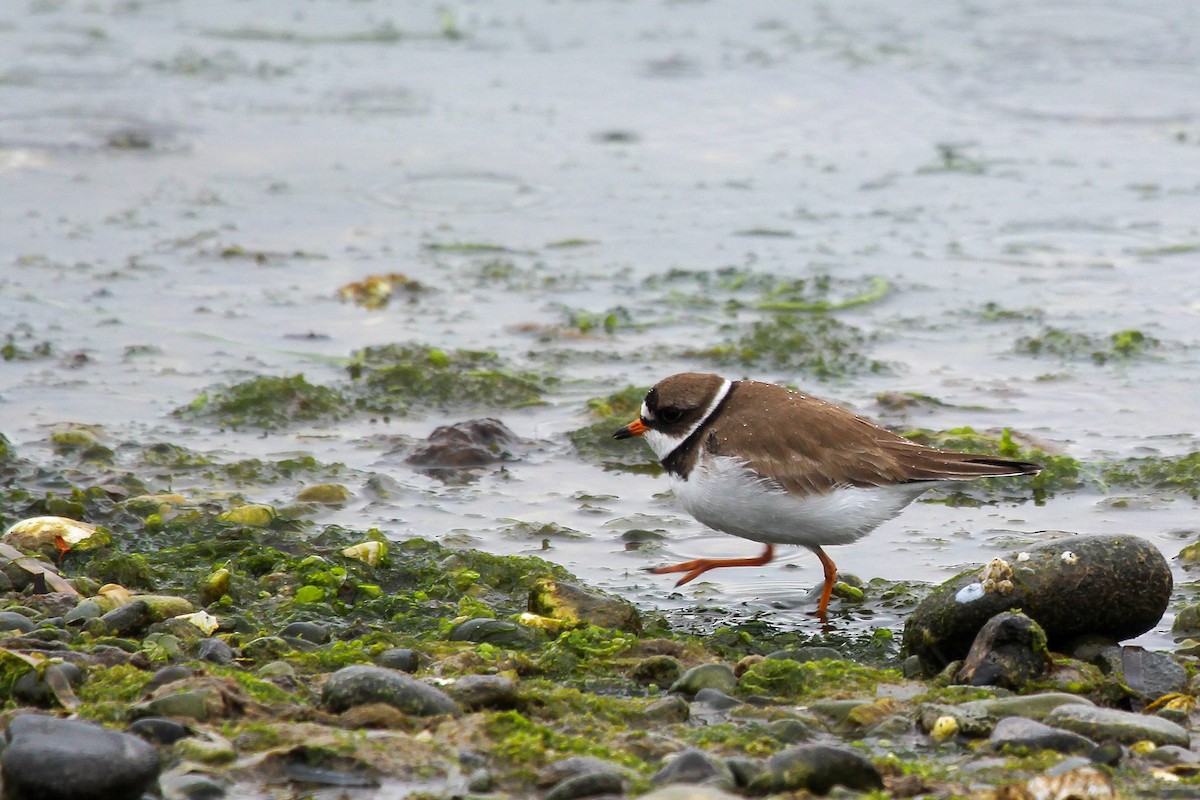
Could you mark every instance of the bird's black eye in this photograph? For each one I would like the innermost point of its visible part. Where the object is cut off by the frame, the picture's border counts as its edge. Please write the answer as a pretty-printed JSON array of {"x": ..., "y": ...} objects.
[{"x": 670, "y": 414}]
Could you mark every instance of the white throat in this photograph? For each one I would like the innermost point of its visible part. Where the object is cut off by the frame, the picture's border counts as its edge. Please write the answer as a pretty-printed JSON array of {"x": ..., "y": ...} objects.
[{"x": 662, "y": 444}]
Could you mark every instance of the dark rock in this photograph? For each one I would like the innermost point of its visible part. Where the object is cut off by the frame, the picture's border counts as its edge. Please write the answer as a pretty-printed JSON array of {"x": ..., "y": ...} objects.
[
  {"x": 57, "y": 759},
  {"x": 215, "y": 650},
  {"x": 480, "y": 780},
  {"x": 484, "y": 691},
  {"x": 1033, "y": 735},
  {"x": 694, "y": 766},
  {"x": 492, "y": 631},
  {"x": 11, "y": 621},
  {"x": 87, "y": 609},
  {"x": 573, "y": 603},
  {"x": 804, "y": 654},
  {"x": 661, "y": 670},
  {"x": 1009, "y": 652},
  {"x": 308, "y": 631},
  {"x": 191, "y": 786},
  {"x": 1125, "y": 727},
  {"x": 716, "y": 699},
  {"x": 362, "y": 684},
  {"x": 666, "y": 710},
  {"x": 587, "y": 785},
  {"x": 1110, "y": 753},
  {"x": 463, "y": 445},
  {"x": 175, "y": 672},
  {"x": 1150, "y": 674},
  {"x": 158, "y": 730},
  {"x": 402, "y": 658},
  {"x": 1056, "y": 584},
  {"x": 788, "y": 731},
  {"x": 817, "y": 768},
  {"x": 575, "y": 766},
  {"x": 129, "y": 619},
  {"x": 36, "y": 687},
  {"x": 270, "y": 648}
]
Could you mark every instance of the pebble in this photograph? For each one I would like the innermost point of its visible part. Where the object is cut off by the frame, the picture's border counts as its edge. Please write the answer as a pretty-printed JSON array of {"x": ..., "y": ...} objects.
[
  {"x": 1149, "y": 674},
  {"x": 706, "y": 676},
  {"x": 33, "y": 687},
  {"x": 788, "y": 731},
  {"x": 11, "y": 621},
  {"x": 689, "y": 792},
  {"x": 805, "y": 654},
  {"x": 170, "y": 674},
  {"x": 587, "y": 785},
  {"x": 817, "y": 768},
  {"x": 1009, "y": 652},
  {"x": 159, "y": 730},
  {"x": 58, "y": 759},
  {"x": 570, "y": 602},
  {"x": 484, "y": 691},
  {"x": 979, "y": 717},
  {"x": 1056, "y": 584},
  {"x": 671, "y": 708},
  {"x": 464, "y": 445},
  {"x": 308, "y": 631},
  {"x": 575, "y": 766},
  {"x": 190, "y": 786},
  {"x": 716, "y": 699},
  {"x": 217, "y": 651},
  {"x": 1125, "y": 727},
  {"x": 491, "y": 631},
  {"x": 128, "y": 620},
  {"x": 694, "y": 766},
  {"x": 1034, "y": 735},
  {"x": 660, "y": 670},
  {"x": 402, "y": 658},
  {"x": 361, "y": 684}
]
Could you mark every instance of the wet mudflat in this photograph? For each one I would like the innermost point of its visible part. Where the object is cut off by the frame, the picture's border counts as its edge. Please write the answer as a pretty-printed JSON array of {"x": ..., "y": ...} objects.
[{"x": 939, "y": 216}]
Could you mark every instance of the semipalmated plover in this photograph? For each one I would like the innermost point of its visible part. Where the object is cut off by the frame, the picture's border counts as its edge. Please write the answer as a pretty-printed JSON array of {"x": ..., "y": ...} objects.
[{"x": 777, "y": 466}]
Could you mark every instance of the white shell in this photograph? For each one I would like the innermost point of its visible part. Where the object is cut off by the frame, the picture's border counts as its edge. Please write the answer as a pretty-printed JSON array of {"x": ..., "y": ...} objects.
[
  {"x": 1069, "y": 557},
  {"x": 1023, "y": 556},
  {"x": 969, "y": 593},
  {"x": 202, "y": 620}
]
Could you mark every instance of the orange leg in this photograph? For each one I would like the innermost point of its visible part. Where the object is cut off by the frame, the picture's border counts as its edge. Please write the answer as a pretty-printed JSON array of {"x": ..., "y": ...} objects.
[
  {"x": 830, "y": 576},
  {"x": 695, "y": 569}
]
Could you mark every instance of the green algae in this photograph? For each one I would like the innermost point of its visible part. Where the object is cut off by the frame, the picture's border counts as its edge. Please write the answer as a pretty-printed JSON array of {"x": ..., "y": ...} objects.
[
  {"x": 266, "y": 402},
  {"x": 594, "y": 441},
  {"x": 790, "y": 680},
  {"x": 394, "y": 380},
  {"x": 817, "y": 346},
  {"x": 1122, "y": 346}
]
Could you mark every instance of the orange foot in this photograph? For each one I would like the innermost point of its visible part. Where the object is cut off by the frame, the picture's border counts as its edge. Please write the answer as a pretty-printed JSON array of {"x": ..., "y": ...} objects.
[{"x": 695, "y": 569}]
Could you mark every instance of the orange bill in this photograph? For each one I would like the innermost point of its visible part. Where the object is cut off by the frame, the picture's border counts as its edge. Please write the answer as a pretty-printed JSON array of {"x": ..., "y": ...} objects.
[{"x": 635, "y": 428}]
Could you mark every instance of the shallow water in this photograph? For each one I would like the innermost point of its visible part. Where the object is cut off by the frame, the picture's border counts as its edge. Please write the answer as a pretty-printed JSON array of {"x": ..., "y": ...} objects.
[{"x": 184, "y": 187}]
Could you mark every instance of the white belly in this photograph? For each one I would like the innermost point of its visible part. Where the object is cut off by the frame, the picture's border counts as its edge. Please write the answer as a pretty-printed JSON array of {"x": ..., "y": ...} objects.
[{"x": 725, "y": 495}]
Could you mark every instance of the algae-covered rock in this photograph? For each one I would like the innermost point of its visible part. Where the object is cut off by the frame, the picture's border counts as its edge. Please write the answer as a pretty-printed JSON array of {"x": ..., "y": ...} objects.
[
  {"x": 328, "y": 494},
  {"x": 258, "y": 515},
  {"x": 573, "y": 603},
  {"x": 1056, "y": 584},
  {"x": 493, "y": 631},
  {"x": 706, "y": 676},
  {"x": 362, "y": 684},
  {"x": 50, "y": 537},
  {"x": 817, "y": 768},
  {"x": 1010, "y": 651}
]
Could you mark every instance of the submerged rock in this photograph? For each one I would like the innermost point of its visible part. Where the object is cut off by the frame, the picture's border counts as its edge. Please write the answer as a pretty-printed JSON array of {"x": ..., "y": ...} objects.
[
  {"x": 53, "y": 759},
  {"x": 1055, "y": 584},
  {"x": 464, "y": 445}
]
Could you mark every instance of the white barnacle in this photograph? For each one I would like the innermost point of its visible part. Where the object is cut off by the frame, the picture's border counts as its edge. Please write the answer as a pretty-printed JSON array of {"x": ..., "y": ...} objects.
[
  {"x": 1023, "y": 556},
  {"x": 1069, "y": 557},
  {"x": 969, "y": 593}
]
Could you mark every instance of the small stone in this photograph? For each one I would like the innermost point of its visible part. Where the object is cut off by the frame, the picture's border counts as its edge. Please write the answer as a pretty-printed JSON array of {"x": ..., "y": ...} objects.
[
  {"x": 660, "y": 670},
  {"x": 329, "y": 494},
  {"x": 169, "y": 674},
  {"x": 463, "y": 446},
  {"x": 1123, "y": 726},
  {"x": 361, "y": 684},
  {"x": 573, "y": 767},
  {"x": 570, "y": 602},
  {"x": 59, "y": 759},
  {"x": 667, "y": 710},
  {"x": 788, "y": 731},
  {"x": 268, "y": 648},
  {"x": 209, "y": 749},
  {"x": 694, "y": 766},
  {"x": 159, "y": 730},
  {"x": 10, "y": 621},
  {"x": 128, "y": 620},
  {"x": 475, "y": 692},
  {"x": 817, "y": 768},
  {"x": 34, "y": 686},
  {"x": 402, "y": 658},
  {"x": 480, "y": 780},
  {"x": 85, "y": 610},
  {"x": 805, "y": 654},
  {"x": 1009, "y": 652},
  {"x": 217, "y": 651},
  {"x": 1033, "y": 735},
  {"x": 587, "y": 785},
  {"x": 492, "y": 631},
  {"x": 1150, "y": 674},
  {"x": 716, "y": 699},
  {"x": 255, "y": 514},
  {"x": 312, "y": 632},
  {"x": 190, "y": 786},
  {"x": 689, "y": 792},
  {"x": 164, "y": 606},
  {"x": 197, "y": 704},
  {"x": 706, "y": 676},
  {"x": 278, "y": 671}
]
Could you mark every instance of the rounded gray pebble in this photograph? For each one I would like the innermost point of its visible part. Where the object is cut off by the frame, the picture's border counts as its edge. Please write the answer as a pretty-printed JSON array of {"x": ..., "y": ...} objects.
[
  {"x": 484, "y": 691},
  {"x": 706, "y": 676},
  {"x": 217, "y": 651},
  {"x": 308, "y": 631},
  {"x": 587, "y": 785},
  {"x": 402, "y": 658},
  {"x": 362, "y": 684}
]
